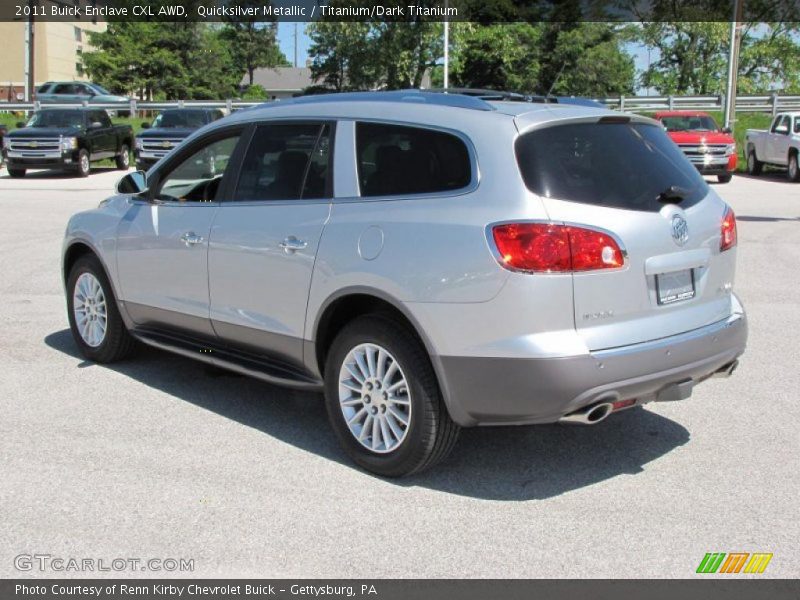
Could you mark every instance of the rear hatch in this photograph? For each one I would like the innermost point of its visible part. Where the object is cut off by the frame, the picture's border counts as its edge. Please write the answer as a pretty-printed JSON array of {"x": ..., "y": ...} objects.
[{"x": 628, "y": 178}]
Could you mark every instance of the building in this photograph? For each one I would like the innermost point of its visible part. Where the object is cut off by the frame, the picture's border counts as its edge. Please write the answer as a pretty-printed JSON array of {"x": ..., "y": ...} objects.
[
  {"x": 57, "y": 49},
  {"x": 286, "y": 82},
  {"x": 281, "y": 82}
]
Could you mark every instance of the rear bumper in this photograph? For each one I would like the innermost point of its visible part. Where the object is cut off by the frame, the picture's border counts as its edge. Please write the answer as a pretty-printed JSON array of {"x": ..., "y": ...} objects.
[{"x": 506, "y": 391}]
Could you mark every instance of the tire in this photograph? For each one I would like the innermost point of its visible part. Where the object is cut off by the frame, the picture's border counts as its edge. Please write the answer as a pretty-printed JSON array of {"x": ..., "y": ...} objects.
[
  {"x": 754, "y": 166},
  {"x": 429, "y": 435},
  {"x": 84, "y": 164},
  {"x": 724, "y": 178},
  {"x": 17, "y": 172},
  {"x": 115, "y": 343},
  {"x": 793, "y": 172},
  {"x": 123, "y": 159}
]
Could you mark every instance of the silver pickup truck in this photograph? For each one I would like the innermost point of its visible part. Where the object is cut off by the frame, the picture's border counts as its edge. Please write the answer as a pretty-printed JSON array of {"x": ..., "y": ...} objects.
[{"x": 777, "y": 146}]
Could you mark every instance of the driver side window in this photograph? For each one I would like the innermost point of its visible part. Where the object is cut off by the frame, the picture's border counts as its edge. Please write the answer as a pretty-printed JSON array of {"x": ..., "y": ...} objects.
[{"x": 197, "y": 178}]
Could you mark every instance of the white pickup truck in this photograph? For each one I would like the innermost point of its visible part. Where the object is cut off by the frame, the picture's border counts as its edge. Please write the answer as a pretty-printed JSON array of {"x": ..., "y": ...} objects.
[{"x": 778, "y": 146}]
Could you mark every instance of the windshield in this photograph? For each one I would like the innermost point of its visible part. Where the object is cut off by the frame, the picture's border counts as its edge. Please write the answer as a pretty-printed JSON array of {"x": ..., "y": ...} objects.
[
  {"x": 620, "y": 165},
  {"x": 690, "y": 123},
  {"x": 101, "y": 89},
  {"x": 57, "y": 118},
  {"x": 180, "y": 118}
]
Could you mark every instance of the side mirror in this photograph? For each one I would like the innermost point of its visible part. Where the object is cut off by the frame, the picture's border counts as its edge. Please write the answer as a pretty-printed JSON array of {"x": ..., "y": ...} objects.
[
  {"x": 145, "y": 125},
  {"x": 20, "y": 124},
  {"x": 727, "y": 130},
  {"x": 96, "y": 125},
  {"x": 133, "y": 183}
]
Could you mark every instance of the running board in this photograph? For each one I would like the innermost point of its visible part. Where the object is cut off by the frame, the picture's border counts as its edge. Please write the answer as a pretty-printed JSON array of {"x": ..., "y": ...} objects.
[{"x": 259, "y": 367}]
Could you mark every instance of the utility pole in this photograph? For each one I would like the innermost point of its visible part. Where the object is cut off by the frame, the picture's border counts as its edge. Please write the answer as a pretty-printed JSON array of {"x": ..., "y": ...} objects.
[
  {"x": 295, "y": 45},
  {"x": 733, "y": 64},
  {"x": 30, "y": 46},
  {"x": 446, "y": 49}
]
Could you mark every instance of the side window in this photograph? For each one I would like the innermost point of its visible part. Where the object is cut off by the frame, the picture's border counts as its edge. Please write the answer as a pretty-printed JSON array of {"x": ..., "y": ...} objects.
[
  {"x": 781, "y": 122},
  {"x": 100, "y": 116},
  {"x": 286, "y": 162},
  {"x": 797, "y": 124},
  {"x": 83, "y": 90},
  {"x": 399, "y": 160},
  {"x": 197, "y": 178},
  {"x": 64, "y": 88}
]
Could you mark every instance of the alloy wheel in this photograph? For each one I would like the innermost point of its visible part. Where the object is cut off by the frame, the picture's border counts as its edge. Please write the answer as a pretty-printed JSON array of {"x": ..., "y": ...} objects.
[
  {"x": 375, "y": 398},
  {"x": 90, "y": 310}
]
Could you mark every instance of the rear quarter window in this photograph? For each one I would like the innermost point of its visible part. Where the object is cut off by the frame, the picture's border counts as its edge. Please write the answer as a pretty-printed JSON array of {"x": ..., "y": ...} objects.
[
  {"x": 398, "y": 160},
  {"x": 619, "y": 165}
]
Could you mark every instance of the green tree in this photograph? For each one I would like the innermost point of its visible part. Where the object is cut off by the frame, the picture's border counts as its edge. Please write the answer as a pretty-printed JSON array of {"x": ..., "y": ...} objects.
[
  {"x": 693, "y": 57},
  {"x": 252, "y": 44},
  {"x": 157, "y": 60},
  {"x": 342, "y": 55},
  {"x": 583, "y": 59}
]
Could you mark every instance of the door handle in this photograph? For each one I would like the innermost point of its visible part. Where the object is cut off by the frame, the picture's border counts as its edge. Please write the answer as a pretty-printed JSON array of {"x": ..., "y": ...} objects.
[
  {"x": 291, "y": 244},
  {"x": 190, "y": 238}
]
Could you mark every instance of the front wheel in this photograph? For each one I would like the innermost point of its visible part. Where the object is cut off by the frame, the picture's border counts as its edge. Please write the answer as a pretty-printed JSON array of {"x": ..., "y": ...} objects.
[
  {"x": 94, "y": 318},
  {"x": 754, "y": 166},
  {"x": 793, "y": 172},
  {"x": 84, "y": 164},
  {"x": 16, "y": 172},
  {"x": 383, "y": 399},
  {"x": 724, "y": 178},
  {"x": 123, "y": 158}
]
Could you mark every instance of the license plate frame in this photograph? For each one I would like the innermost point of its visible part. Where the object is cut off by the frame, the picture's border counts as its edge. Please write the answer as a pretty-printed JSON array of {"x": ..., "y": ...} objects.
[{"x": 675, "y": 286}]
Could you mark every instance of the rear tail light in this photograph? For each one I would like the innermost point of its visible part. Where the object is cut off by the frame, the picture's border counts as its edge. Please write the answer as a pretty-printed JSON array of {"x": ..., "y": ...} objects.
[
  {"x": 550, "y": 247},
  {"x": 728, "y": 231}
]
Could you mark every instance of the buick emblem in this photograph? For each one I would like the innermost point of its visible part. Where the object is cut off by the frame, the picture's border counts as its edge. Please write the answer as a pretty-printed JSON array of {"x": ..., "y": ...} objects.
[{"x": 680, "y": 230}]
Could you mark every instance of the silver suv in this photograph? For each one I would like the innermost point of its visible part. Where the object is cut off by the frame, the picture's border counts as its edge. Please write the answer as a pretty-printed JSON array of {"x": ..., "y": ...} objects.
[{"x": 428, "y": 261}]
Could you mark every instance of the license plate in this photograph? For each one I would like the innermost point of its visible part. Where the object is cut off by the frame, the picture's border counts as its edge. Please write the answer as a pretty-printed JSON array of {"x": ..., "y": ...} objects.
[{"x": 674, "y": 287}]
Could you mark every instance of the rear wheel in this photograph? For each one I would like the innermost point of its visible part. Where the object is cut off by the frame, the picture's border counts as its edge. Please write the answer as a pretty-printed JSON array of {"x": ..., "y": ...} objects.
[
  {"x": 16, "y": 172},
  {"x": 383, "y": 399},
  {"x": 754, "y": 166},
  {"x": 84, "y": 165},
  {"x": 724, "y": 178},
  {"x": 124, "y": 158},
  {"x": 93, "y": 315},
  {"x": 793, "y": 172}
]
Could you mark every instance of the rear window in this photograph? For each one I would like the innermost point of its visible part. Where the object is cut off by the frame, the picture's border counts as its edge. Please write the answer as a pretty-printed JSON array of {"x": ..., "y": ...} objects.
[
  {"x": 395, "y": 160},
  {"x": 619, "y": 165}
]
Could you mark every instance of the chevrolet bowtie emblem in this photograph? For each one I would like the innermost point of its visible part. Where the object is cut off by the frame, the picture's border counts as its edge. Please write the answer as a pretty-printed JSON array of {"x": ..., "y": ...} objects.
[
  {"x": 34, "y": 144},
  {"x": 166, "y": 145}
]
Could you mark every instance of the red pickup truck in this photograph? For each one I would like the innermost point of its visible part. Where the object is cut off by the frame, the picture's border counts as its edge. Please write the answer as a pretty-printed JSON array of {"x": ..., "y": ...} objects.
[{"x": 711, "y": 149}]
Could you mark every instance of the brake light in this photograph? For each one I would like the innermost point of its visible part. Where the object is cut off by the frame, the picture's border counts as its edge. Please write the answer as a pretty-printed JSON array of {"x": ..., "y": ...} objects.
[
  {"x": 728, "y": 231},
  {"x": 550, "y": 247}
]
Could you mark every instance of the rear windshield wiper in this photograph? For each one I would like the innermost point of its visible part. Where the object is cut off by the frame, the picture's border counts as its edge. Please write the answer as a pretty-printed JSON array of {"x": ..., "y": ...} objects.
[{"x": 673, "y": 194}]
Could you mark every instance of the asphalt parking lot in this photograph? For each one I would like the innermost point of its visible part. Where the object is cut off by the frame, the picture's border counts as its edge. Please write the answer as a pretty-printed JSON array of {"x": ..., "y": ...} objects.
[{"x": 161, "y": 457}]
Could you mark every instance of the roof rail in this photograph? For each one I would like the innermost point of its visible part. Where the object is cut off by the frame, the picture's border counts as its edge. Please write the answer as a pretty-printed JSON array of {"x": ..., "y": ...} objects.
[
  {"x": 483, "y": 94},
  {"x": 403, "y": 96}
]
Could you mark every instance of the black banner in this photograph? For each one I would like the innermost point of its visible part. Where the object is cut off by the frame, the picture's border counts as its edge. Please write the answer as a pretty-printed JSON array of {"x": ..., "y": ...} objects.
[
  {"x": 483, "y": 11},
  {"x": 398, "y": 589}
]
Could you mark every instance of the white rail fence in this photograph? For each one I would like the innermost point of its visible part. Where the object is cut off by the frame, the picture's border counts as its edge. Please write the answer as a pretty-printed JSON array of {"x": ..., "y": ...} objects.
[{"x": 772, "y": 103}]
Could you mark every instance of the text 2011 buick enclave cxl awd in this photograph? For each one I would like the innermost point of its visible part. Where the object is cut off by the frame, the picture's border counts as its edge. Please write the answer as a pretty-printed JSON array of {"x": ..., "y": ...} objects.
[{"x": 428, "y": 261}]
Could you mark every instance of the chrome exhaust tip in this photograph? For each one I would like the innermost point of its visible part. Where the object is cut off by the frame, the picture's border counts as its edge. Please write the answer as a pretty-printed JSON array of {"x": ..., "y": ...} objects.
[
  {"x": 589, "y": 415},
  {"x": 726, "y": 370}
]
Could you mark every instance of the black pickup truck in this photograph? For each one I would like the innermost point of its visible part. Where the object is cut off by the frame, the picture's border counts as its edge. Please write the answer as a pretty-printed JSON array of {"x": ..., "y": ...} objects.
[
  {"x": 168, "y": 130},
  {"x": 67, "y": 139},
  {"x": 3, "y": 133}
]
